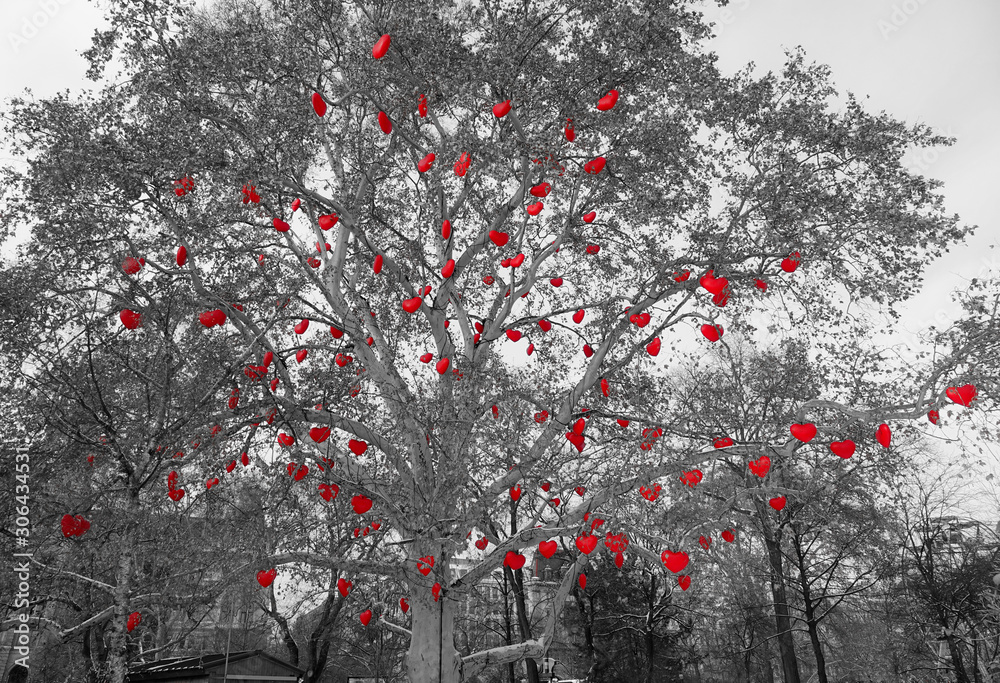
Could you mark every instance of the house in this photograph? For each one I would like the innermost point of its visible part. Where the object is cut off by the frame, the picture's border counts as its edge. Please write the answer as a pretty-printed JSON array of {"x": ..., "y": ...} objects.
[{"x": 251, "y": 665}]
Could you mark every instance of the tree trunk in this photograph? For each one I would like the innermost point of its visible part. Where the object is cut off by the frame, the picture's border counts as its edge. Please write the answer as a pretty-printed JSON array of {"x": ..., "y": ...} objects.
[
  {"x": 432, "y": 657},
  {"x": 812, "y": 622},
  {"x": 648, "y": 634},
  {"x": 117, "y": 650},
  {"x": 508, "y": 627},
  {"x": 782, "y": 622},
  {"x": 524, "y": 625},
  {"x": 961, "y": 675}
]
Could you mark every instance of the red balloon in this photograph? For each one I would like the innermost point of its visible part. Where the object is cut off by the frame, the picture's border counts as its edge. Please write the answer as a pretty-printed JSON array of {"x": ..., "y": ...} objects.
[
  {"x": 589, "y": 216},
  {"x": 778, "y": 503},
  {"x": 411, "y": 305},
  {"x": 883, "y": 435},
  {"x": 501, "y": 109},
  {"x": 265, "y": 577},
  {"x": 381, "y": 46},
  {"x": 608, "y": 101},
  {"x": 366, "y": 616},
  {"x": 130, "y": 319},
  {"x": 182, "y": 255},
  {"x": 843, "y": 449},
  {"x": 541, "y": 190},
  {"x": 803, "y": 432},
  {"x": 594, "y": 166}
]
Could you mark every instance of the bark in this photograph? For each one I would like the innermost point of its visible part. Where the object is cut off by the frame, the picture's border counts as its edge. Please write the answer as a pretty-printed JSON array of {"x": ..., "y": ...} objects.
[
  {"x": 812, "y": 622},
  {"x": 524, "y": 625},
  {"x": 648, "y": 640},
  {"x": 955, "y": 648},
  {"x": 117, "y": 650},
  {"x": 432, "y": 657},
  {"x": 782, "y": 621}
]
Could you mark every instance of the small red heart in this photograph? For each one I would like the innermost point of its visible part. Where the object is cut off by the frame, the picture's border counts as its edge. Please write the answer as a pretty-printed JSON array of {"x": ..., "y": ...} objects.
[
  {"x": 214, "y": 481},
  {"x": 513, "y": 560},
  {"x": 365, "y": 617},
  {"x": 482, "y": 543},
  {"x": 576, "y": 439},
  {"x": 517, "y": 261},
  {"x": 377, "y": 266},
  {"x": 328, "y": 491},
  {"x": 436, "y": 591},
  {"x": 653, "y": 348},
  {"x": 588, "y": 351},
  {"x": 586, "y": 543},
  {"x": 569, "y": 131},
  {"x": 713, "y": 284},
  {"x": 792, "y": 262},
  {"x": 422, "y": 106},
  {"x": 705, "y": 542},
  {"x": 692, "y": 478},
  {"x": 384, "y": 123},
  {"x": 425, "y": 564},
  {"x": 535, "y": 209},
  {"x": 548, "y": 549},
  {"x": 182, "y": 255},
  {"x": 675, "y": 562},
  {"x": 582, "y": 580},
  {"x": 545, "y": 325},
  {"x": 319, "y": 104},
  {"x": 608, "y": 101},
  {"x": 844, "y": 449},
  {"x": 379, "y": 49},
  {"x": 712, "y": 332},
  {"x": 361, "y": 504},
  {"x": 650, "y": 493},
  {"x": 319, "y": 434},
  {"x": 682, "y": 276},
  {"x": 542, "y": 416},
  {"x": 760, "y": 466},
  {"x": 344, "y": 586},
  {"x": 302, "y": 326},
  {"x": 327, "y": 221},
  {"x": 411, "y": 305},
  {"x": 442, "y": 365},
  {"x": 426, "y": 358},
  {"x": 513, "y": 335},
  {"x": 130, "y": 319},
  {"x": 336, "y": 332},
  {"x": 724, "y": 442},
  {"x": 265, "y": 577},
  {"x": 231, "y": 466},
  {"x": 133, "y": 620},
  {"x": 593, "y": 248},
  {"x": 301, "y": 472},
  {"x": 541, "y": 190},
  {"x": 501, "y": 109},
  {"x": 404, "y": 605},
  {"x": 605, "y": 387},
  {"x": 963, "y": 396},
  {"x": 301, "y": 354},
  {"x": 280, "y": 225},
  {"x": 589, "y": 216},
  {"x": 684, "y": 581},
  {"x": 499, "y": 238},
  {"x": 74, "y": 526},
  {"x": 449, "y": 268},
  {"x": 933, "y": 416},
  {"x": 425, "y": 164},
  {"x": 546, "y": 486},
  {"x": 803, "y": 432},
  {"x": 515, "y": 493},
  {"x": 761, "y": 285},
  {"x": 594, "y": 166},
  {"x": 883, "y": 435},
  {"x": 623, "y": 423},
  {"x": 578, "y": 316},
  {"x": 778, "y": 503},
  {"x": 286, "y": 440},
  {"x": 462, "y": 165},
  {"x": 728, "y": 536},
  {"x": 357, "y": 447},
  {"x": 619, "y": 560}
]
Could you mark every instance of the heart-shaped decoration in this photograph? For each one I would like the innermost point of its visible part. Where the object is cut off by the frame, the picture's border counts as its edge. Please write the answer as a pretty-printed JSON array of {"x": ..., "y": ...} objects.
[
  {"x": 541, "y": 190},
  {"x": 933, "y": 416},
  {"x": 404, "y": 605},
  {"x": 712, "y": 332},
  {"x": 653, "y": 347},
  {"x": 546, "y": 486},
  {"x": 296, "y": 204},
  {"x": 883, "y": 435},
  {"x": 319, "y": 434},
  {"x": 650, "y": 493},
  {"x": 548, "y": 549},
  {"x": 422, "y": 106},
  {"x": 586, "y": 543},
  {"x": 301, "y": 472},
  {"x": 556, "y": 282},
  {"x": 963, "y": 396},
  {"x": 132, "y": 320},
  {"x": 379, "y": 49},
  {"x": 728, "y": 536},
  {"x": 513, "y": 560},
  {"x": 535, "y": 209},
  {"x": 361, "y": 504},
  {"x": 675, "y": 562},
  {"x": 424, "y": 164},
  {"x": 684, "y": 581},
  {"x": 582, "y": 580},
  {"x": 721, "y": 299},
  {"x": 301, "y": 354},
  {"x": 499, "y": 238},
  {"x": 761, "y": 285},
  {"x": 449, "y": 269},
  {"x": 365, "y": 617},
  {"x": 231, "y": 466},
  {"x": 843, "y": 449},
  {"x": 176, "y": 494},
  {"x": 302, "y": 326},
  {"x": 682, "y": 276},
  {"x": 578, "y": 316},
  {"x": 344, "y": 586},
  {"x": 792, "y": 262},
  {"x": 542, "y": 416},
  {"x": 803, "y": 432},
  {"x": 327, "y": 221},
  {"x": 575, "y": 439},
  {"x": 411, "y": 305},
  {"x": 319, "y": 104},
  {"x": 580, "y": 490},
  {"x": 336, "y": 332},
  {"x": 705, "y": 542},
  {"x": 588, "y": 351},
  {"x": 619, "y": 560},
  {"x": 692, "y": 478},
  {"x": 714, "y": 285},
  {"x": 513, "y": 335},
  {"x": 594, "y": 166},
  {"x": 182, "y": 256},
  {"x": 517, "y": 261},
  {"x": 442, "y": 365},
  {"x": 605, "y": 387},
  {"x": 328, "y": 491},
  {"x": 436, "y": 591},
  {"x": 74, "y": 526},
  {"x": 425, "y": 564},
  {"x": 280, "y": 225},
  {"x": 515, "y": 493},
  {"x": 778, "y": 503},
  {"x": 357, "y": 447},
  {"x": 760, "y": 466},
  {"x": 501, "y": 109},
  {"x": 214, "y": 481},
  {"x": 482, "y": 543},
  {"x": 608, "y": 101},
  {"x": 377, "y": 265},
  {"x": 724, "y": 442},
  {"x": 462, "y": 165},
  {"x": 265, "y": 577},
  {"x": 286, "y": 440},
  {"x": 640, "y": 320},
  {"x": 384, "y": 123},
  {"x": 134, "y": 620},
  {"x": 545, "y": 325}
]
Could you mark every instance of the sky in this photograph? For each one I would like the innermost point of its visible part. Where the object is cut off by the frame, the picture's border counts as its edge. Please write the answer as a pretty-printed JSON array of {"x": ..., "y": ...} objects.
[{"x": 935, "y": 62}]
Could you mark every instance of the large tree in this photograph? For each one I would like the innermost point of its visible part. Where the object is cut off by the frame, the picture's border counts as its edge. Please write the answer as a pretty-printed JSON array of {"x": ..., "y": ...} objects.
[{"x": 505, "y": 262}]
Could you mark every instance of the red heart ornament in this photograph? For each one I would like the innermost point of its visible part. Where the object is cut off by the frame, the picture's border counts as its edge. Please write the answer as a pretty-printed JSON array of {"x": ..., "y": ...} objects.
[
  {"x": 377, "y": 266},
  {"x": 515, "y": 493},
  {"x": 803, "y": 432},
  {"x": 542, "y": 416},
  {"x": 426, "y": 358},
  {"x": 379, "y": 49},
  {"x": 265, "y": 577},
  {"x": 328, "y": 491},
  {"x": 482, "y": 543},
  {"x": 133, "y": 620},
  {"x": 425, "y": 564},
  {"x": 587, "y": 350},
  {"x": 411, "y": 305},
  {"x": 728, "y": 536},
  {"x": 176, "y": 495},
  {"x": 586, "y": 543},
  {"x": 963, "y": 396},
  {"x": 580, "y": 490},
  {"x": 684, "y": 581},
  {"x": 548, "y": 549},
  {"x": 724, "y": 442},
  {"x": 692, "y": 478},
  {"x": 608, "y": 101},
  {"x": 301, "y": 354},
  {"x": 319, "y": 434},
  {"x": 589, "y": 216},
  {"x": 462, "y": 165},
  {"x": 513, "y": 560},
  {"x": 535, "y": 209},
  {"x": 760, "y": 466},
  {"x": 933, "y": 416},
  {"x": 499, "y": 238},
  {"x": 582, "y": 580},
  {"x": 384, "y": 123},
  {"x": 605, "y": 387},
  {"x": 449, "y": 268},
  {"x": 675, "y": 562},
  {"x": 182, "y": 255},
  {"x": 436, "y": 591},
  {"x": 404, "y": 605},
  {"x": 302, "y": 326},
  {"x": 501, "y": 109},
  {"x": 357, "y": 447},
  {"x": 546, "y": 486},
  {"x": 422, "y": 106},
  {"x": 761, "y": 285},
  {"x": 545, "y": 325},
  {"x": 365, "y": 617},
  {"x": 131, "y": 320},
  {"x": 713, "y": 284},
  {"x": 442, "y": 365},
  {"x": 344, "y": 586},
  {"x": 576, "y": 439},
  {"x": 705, "y": 542},
  {"x": 883, "y": 435},
  {"x": 578, "y": 316},
  {"x": 361, "y": 504},
  {"x": 296, "y": 204},
  {"x": 556, "y": 282},
  {"x": 319, "y": 104},
  {"x": 650, "y": 493},
  {"x": 286, "y": 440},
  {"x": 336, "y": 332},
  {"x": 541, "y": 190},
  {"x": 327, "y": 221},
  {"x": 424, "y": 164},
  {"x": 778, "y": 503},
  {"x": 513, "y": 335},
  {"x": 517, "y": 261},
  {"x": 280, "y": 225},
  {"x": 712, "y": 332},
  {"x": 594, "y": 166},
  {"x": 619, "y": 560},
  {"x": 843, "y": 449},
  {"x": 653, "y": 347},
  {"x": 792, "y": 262},
  {"x": 569, "y": 131}
]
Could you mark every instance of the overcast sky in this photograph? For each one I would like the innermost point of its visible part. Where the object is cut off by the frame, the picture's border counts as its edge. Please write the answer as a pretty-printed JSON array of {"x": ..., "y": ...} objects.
[{"x": 930, "y": 61}]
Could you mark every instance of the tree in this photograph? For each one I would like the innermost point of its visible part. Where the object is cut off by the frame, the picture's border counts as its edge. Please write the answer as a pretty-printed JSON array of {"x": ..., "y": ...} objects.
[{"x": 210, "y": 144}]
